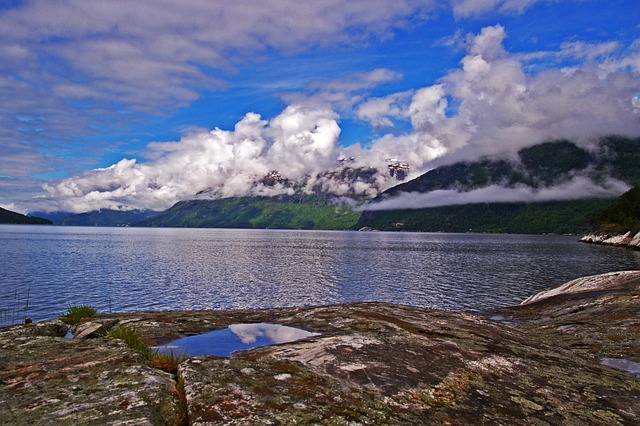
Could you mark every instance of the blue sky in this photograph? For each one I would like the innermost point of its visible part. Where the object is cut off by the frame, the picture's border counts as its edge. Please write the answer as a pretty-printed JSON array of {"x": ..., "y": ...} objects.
[{"x": 115, "y": 104}]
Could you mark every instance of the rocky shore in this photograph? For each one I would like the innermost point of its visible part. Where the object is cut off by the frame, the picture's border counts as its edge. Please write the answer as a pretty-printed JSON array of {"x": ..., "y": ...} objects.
[
  {"x": 545, "y": 362},
  {"x": 612, "y": 237}
]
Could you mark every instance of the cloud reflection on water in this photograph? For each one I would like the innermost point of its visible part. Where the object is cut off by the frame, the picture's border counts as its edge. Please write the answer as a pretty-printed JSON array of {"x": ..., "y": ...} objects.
[{"x": 236, "y": 337}]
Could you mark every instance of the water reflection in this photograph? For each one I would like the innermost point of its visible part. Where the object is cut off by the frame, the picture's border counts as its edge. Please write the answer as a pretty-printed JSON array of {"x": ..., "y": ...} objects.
[
  {"x": 236, "y": 337},
  {"x": 129, "y": 269}
]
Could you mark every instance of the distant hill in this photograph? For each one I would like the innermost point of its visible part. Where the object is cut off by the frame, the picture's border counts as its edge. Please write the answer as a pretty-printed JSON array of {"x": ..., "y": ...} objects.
[
  {"x": 54, "y": 217},
  {"x": 540, "y": 166},
  {"x": 107, "y": 218},
  {"x": 7, "y": 216},
  {"x": 282, "y": 212}
]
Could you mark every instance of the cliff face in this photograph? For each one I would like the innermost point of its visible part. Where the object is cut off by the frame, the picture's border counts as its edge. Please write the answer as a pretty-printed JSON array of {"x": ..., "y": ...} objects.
[{"x": 544, "y": 362}]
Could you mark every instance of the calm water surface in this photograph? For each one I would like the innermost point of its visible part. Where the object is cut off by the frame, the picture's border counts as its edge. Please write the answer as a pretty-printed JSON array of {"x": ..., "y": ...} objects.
[{"x": 130, "y": 269}]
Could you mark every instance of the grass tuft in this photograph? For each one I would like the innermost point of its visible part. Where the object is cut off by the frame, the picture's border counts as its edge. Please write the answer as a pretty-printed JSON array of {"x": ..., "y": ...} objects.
[
  {"x": 133, "y": 338},
  {"x": 76, "y": 313},
  {"x": 167, "y": 361}
]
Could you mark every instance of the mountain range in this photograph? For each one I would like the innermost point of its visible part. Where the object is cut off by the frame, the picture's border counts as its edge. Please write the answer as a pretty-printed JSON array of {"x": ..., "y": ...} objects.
[{"x": 538, "y": 169}]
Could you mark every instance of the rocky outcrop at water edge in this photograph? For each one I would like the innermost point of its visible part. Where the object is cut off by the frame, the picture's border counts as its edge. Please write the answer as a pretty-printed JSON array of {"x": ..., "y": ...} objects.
[{"x": 630, "y": 239}]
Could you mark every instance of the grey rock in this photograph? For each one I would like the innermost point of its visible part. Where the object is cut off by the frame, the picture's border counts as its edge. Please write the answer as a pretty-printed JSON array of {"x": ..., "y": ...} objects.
[
  {"x": 57, "y": 381},
  {"x": 53, "y": 328},
  {"x": 91, "y": 329}
]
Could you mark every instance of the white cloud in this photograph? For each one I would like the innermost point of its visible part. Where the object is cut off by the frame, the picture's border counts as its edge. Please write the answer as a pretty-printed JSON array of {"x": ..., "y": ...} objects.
[
  {"x": 466, "y": 8},
  {"x": 341, "y": 93},
  {"x": 298, "y": 142},
  {"x": 82, "y": 67},
  {"x": 588, "y": 51},
  {"x": 574, "y": 189},
  {"x": 150, "y": 55},
  {"x": 501, "y": 109},
  {"x": 379, "y": 112}
]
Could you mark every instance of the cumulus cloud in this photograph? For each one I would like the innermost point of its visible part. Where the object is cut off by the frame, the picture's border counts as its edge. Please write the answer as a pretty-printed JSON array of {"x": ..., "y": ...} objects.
[
  {"x": 222, "y": 163},
  {"x": 574, "y": 189},
  {"x": 499, "y": 108}
]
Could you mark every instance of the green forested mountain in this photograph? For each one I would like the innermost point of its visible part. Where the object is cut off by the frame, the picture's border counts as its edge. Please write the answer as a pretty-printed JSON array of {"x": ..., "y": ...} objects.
[
  {"x": 7, "y": 216},
  {"x": 284, "y": 212},
  {"x": 553, "y": 217},
  {"x": 540, "y": 166}
]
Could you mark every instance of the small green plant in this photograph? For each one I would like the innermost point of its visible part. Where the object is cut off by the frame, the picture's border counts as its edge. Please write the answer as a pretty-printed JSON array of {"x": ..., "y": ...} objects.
[
  {"x": 133, "y": 338},
  {"x": 76, "y": 313},
  {"x": 167, "y": 361}
]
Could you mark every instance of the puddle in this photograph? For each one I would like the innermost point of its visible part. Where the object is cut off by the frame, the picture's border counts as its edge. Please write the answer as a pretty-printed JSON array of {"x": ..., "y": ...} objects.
[
  {"x": 237, "y": 337},
  {"x": 623, "y": 364}
]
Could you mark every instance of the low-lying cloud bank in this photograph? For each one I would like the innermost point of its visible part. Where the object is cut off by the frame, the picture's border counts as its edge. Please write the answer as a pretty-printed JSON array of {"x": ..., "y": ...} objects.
[
  {"x": 490, "y": 105},
  {"x": 574, "y": 189}
]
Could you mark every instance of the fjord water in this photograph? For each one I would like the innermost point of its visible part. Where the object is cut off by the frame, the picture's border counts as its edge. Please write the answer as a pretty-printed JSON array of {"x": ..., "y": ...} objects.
[{"x": 134, "y": 269}]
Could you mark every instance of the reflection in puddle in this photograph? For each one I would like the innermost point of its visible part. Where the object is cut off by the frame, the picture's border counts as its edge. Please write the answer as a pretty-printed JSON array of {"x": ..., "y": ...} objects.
[
  {"x": 623, "y": 364},
  {"x": 237, "y": 337}
]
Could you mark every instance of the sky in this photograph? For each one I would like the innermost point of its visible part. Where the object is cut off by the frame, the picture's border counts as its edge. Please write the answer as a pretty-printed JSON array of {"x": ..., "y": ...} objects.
[{"x": 120, "y": 104}]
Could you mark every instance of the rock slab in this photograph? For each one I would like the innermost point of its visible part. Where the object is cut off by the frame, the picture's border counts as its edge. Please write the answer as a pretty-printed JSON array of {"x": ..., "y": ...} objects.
[{"x": 50, "y": 380}]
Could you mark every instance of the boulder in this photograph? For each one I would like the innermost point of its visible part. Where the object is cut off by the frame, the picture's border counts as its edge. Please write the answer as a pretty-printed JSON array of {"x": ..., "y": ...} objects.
[
  {"x": 595, "y": 283},
  {"x": 53, "y": 328},
  {"x": 91, "y": 329}
]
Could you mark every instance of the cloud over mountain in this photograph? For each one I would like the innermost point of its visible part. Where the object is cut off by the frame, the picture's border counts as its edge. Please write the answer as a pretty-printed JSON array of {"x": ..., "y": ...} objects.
[{"x": 489, "y": 105}]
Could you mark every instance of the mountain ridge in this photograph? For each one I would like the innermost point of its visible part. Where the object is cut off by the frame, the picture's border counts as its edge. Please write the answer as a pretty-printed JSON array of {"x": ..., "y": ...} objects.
[
  {"x": 537, "y": 169},
  {"x": 284, "y": 212},
  {"x": 13, "y": 218}
]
